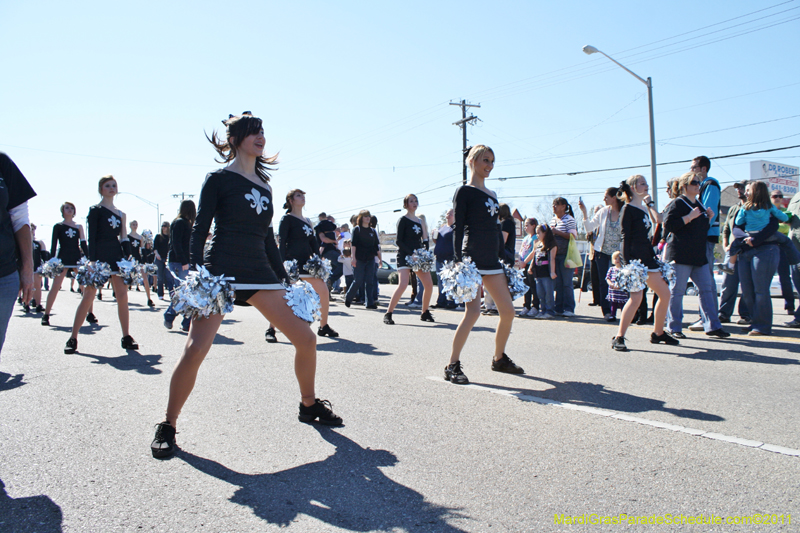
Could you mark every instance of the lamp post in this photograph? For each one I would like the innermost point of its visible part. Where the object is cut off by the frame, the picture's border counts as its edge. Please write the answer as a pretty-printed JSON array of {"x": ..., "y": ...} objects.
[{"x": 592, "y": 50}]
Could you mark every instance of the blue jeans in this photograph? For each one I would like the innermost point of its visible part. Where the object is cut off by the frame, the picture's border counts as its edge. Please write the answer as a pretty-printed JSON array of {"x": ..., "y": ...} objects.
[
  {"x": 164, "y": 278},
  {"x": 363, "y": 279},
  {"x": 708, "y": 296},
  {"x": 730, "y": 289},
  {"x": 603, "y": 262},
  {"x": 565, "y": 291},
  {"x": 796, "y": 279},
  {"x": 169, "y": 314},
  {"x": 710, "y": 266},
  {"x": 545, "y": 288},
  {"x": 757, "y": 266},
  {"x": 9, "y": 288}
]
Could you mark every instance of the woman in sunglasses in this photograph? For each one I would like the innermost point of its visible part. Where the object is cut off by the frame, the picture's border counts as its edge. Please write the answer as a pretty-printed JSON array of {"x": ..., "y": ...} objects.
[{"x": 686, "y": 221}]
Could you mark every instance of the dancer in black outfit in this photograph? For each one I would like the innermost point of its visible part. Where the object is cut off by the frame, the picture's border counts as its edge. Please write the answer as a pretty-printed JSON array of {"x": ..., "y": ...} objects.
[
  {"x": 297, "y": 241},
  {"x": 70, "y": 240},
  {"x": 410, "y": 232},
  {"x": 476, "y": 209},
  {"x": 39, "y": 256},
  {"x": 136, "y": 253},
  {"x": 239, "y": 200},
  {"x": 179, "y": 257},
  {"x": 107, "y": 239},
  {"x": 635, "y": 223}
]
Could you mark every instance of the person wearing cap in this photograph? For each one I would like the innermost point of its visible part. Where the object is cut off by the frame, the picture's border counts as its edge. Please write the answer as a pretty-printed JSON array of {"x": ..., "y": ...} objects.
[
  {"x": 784, "y": 271},
  {"x": 161, "y": 245},
  {"x": 730, "y": 282}
]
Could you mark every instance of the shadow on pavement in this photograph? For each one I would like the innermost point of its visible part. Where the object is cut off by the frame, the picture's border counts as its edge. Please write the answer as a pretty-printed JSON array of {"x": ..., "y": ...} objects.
[
  {"x": 8, "y": 382},
  {"x": 36, "y": 513},
  {"x": 597, "y": 395},
  {"x": 341, "y": 345},
  {"x": 347, "y": 490},
  {"x": 133, "y": 360}
]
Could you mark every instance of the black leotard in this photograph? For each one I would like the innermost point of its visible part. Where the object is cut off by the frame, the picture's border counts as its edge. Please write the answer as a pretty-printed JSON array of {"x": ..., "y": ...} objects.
[
  {"x": 477, "y": 228},
  {"x": 297, "y": 240},
  {"x": 66, "y": 241},
  {"x": 37, "y": 255},
  {"x": 635, "y": 226},
  {"x": 104, "y": 231},
  {"x": 136, "y": 243},
  {"x": 243, "y": 244},
  {"x": 409, "y": 239}
]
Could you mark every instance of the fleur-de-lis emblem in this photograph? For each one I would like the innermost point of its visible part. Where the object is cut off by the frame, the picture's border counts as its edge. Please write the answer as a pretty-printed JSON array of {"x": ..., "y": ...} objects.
[
  {"x": 114, "y": 221},
  {"x": 647, "y": 223},
  {"x": 135, "y": 243},
  {"x": 71, "y": 233},
  {"x": 260, "y": 203},
  {"x": 308, "y": 230},
  {"x": 417, "y": 229},
  {"x": 493, "y": 206}
]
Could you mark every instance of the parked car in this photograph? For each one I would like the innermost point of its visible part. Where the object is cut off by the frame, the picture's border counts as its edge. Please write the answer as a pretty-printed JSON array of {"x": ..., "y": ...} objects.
[{"x": 384, "y": 271}]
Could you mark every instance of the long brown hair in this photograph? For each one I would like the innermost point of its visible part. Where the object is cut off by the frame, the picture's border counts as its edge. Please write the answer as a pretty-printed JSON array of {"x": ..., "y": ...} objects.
[
  {"x": 187, "y": 211},
  {"x": 759, "y": 198},
  {"x": 361, "y": 214},
  {"x": 236, "y": 129}
]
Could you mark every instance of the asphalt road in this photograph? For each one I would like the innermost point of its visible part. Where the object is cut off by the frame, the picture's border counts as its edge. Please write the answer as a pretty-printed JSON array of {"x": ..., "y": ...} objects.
[{"x": 705, "y": 428}]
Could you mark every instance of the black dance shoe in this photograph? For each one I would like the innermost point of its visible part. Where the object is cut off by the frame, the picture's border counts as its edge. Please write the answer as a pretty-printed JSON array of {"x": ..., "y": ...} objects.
[
  {"x": 163, "y": 444},
  {"x": 128, "y": 343},
  {"x": 665, "y": 338},
  {"x": 99, "y": 296},
  {"x": 387, "y": 319},
  {"x": 45, "y": 320},
  {"x": 327, "y": 331},
  {"x": 504, "y": 364},
  {"x": 270, "y": 336},
  {"x": 72, "y": 346},
  {"x": 618, "y": 344},
  {"x": 91, "y": 319},
  {"x": 150, "y": 303},
  {"x": 454, "y": 374},
  {"x": 321, "y": 411},
  {"x": 426, "y": 317}
]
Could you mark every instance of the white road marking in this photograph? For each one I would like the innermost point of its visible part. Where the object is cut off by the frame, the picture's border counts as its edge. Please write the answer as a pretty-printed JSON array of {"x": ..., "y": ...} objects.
[{"x": 628, "y": 418}]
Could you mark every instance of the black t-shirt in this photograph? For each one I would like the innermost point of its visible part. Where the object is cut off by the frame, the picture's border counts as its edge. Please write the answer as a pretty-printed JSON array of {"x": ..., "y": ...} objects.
[
  {"x": 297, "y": 239},
  {"x": 14, "y": 191},
  {"x": 327, "y": 228},
  {"x": 161, "y": 245},
  {"x": 366, "y": 243}
]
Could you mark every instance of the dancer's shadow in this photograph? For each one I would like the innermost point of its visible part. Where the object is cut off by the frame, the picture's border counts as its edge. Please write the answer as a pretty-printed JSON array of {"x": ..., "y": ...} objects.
[
  {"x": 347, "y": 490},
  {"x": 222, "y": 339},
  {"x": 341, "y": 345},
  {"x": 86, "y": 329},
  {"x": 453, "y": 327},
  {"x": 597, "y": 395},
  {"x": 133, "y": 360},
  {"x": 8, "y": 382},
  {"x": 35, "y": 513}
]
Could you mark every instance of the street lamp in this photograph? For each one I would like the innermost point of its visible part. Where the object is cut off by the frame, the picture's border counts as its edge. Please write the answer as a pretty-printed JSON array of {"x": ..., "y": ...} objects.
[{"x": 592, "y": 50}]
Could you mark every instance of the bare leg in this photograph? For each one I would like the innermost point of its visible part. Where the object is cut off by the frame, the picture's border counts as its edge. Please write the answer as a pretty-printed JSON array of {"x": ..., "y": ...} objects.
[
  {"x": 472, "y": 311},
  {"x": 656, "y": 282},
  {"x": 631, "y": 306},
  {"x": 272, "y": 305},
  {"x": 497, "y": 286},
  {"x": 121, "y": 291},
  {"x": 54, "y": 288},
  {"x": 198, "y": 343},
  {"x": 427, "y": 283},
  {"x": 37, "y": 289},
  {"x": 402, "y": 283},
  {"x": 146, "y": 287},
  {"x": 83, "y": 309},
  {"x": 324, "y": 299}
]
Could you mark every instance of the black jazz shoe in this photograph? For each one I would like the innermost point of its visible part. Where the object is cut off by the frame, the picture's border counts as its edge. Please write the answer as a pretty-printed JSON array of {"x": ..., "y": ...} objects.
[
  {"x": 72, "y": 346},
  {"x": 91, "y": 319},
  {"x": 426, "y": 317},
  {"x": 321, "y": 411},
  {"x": 327, "y": 331},
  {"x": 665, "y": 338},
  {"x": 504, "y": 364},
  {"x": 163, "y": 444},
  {"x": 128, "y": 343},
  {"x": 270, "y": 336},
  {"x": 455, "y": 374},
  {"x": 45, "y": 320},
  {"x": 387, "y": 319}
]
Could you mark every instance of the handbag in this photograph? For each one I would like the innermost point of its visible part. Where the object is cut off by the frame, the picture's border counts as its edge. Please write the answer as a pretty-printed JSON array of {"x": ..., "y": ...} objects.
[{"x": 573, "y": 259}]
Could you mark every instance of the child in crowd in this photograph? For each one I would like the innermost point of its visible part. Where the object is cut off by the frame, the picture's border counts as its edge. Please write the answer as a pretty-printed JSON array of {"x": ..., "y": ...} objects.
[
  {"x": 754, "y": 218},
  {"x": 616, "y": 296},
  {"x": 543, "y": 267},
  {"x": 347, "y": 263}
]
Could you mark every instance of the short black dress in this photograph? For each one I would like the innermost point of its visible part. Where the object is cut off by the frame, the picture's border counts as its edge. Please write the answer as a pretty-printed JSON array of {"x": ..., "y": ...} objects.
[
  {"x": 66, "y": 240},
  {"x": 37, "y": 255},
  {"x": 243, "y": 243},
  {"x": 136, "y": 246},
  {"x": 477, "y": 228},
  {"x": 409, "y": 239},
  {"x": 105, "y": 227},
  {"x": 635, "y": 225},
  {"x": 297, "y": 241}
]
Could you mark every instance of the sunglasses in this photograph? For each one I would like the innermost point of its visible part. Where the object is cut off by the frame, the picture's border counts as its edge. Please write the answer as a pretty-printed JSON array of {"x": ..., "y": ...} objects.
[
  {"x": 777, "y": 196},
  {"x": 694, "y": 182}
]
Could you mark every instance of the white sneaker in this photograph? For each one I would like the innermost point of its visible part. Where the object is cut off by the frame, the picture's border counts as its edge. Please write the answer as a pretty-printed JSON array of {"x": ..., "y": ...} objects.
[
  {"x": 414, "y": 305},
  {"x": 697, "y": 326},
  {"x": 524, "y": 312},
  {"x": 533, "y": 313},
  {"x": 568, "y": 314}
]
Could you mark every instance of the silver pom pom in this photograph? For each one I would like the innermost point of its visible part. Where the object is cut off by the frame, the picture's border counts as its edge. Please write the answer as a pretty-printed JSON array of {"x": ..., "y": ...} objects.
[
  {"x": 94, "y": 273},
  {"x": 147, "y": 237},
  {"x": 51, "y": 268},
  {"x": 129, "y": 271},
  {"x": 632, "y": 277},
  {"x": 461, "y": 281},
  {"x": 303, "y": 300},
  {"x": 318, "y": 267},
  {"x": 667, "y": 271},
  {"x": 421, "y": 261},
  {"x": 202, "y": 294},
  {"x": 292, "y": 270},
  {"x": 516, "y": 282}
]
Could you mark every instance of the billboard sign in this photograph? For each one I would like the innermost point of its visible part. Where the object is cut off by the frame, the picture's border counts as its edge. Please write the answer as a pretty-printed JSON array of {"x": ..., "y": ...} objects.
[{"x": 778, "y": 177}]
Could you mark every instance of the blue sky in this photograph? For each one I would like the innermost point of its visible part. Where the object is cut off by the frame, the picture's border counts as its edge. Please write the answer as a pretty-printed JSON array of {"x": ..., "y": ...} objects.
[{"x": 355, "y": 96}]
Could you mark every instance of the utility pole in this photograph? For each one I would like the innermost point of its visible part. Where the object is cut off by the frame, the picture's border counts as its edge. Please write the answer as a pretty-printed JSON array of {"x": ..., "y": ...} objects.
[
  {"x": 182, "y": 195},
  {"x": 463, "y": 125}
]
